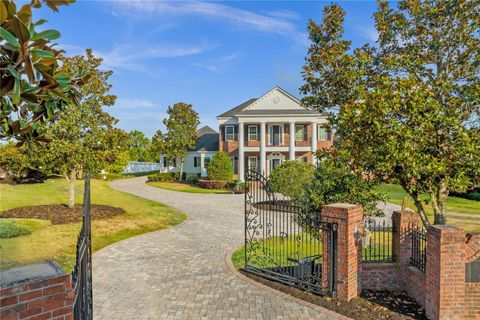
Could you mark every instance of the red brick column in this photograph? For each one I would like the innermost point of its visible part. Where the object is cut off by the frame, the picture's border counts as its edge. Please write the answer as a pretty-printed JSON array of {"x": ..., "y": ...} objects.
[
  {"x": 50, "y": 298},
  {"x": 349, "y": 254},
  {"x": 445, "y": 272},
  {"x": 402, "y": 242}
]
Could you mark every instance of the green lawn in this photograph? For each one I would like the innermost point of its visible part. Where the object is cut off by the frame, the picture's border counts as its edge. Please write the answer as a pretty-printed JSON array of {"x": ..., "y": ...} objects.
[
  {"x": 461, "y": 212},
  {"x": 58, "y": 241},
  {"x": 185, "y": 187},
  {"x": 274, "y": 251}
]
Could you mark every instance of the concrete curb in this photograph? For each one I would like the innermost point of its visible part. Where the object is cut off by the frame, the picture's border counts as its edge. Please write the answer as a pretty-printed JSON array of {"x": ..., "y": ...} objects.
[{"x": 232, "y": 269}]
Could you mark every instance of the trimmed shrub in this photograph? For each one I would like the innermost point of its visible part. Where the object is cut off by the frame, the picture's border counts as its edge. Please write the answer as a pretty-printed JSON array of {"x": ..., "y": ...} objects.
[
  {"x": 10, "y": 229},
  {"x": 475, "y": 196},
  {"x": 163, "y": 176},
  {"x": 291, "y": 178},
  {"x": 220, "y": 167},
  {"x": 212, "y": 184},
  {"x": 192, "y": 179}
]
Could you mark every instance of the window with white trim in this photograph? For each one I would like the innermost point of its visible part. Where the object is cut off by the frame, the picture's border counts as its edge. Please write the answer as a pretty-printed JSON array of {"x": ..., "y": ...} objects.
[
  {"x": 206, "y": 162},
  {"x": 229, "y": 133},
  {"x": 300, "y": 132},
  {"x": 252, "y": 132},
  {"x": 253, "y": 163},
  {"x": 196, "y": 162},
  {"x": 323, "y": 133},
  {"x": 235, "y": 164},
  {"x": 276, "y": 135}
]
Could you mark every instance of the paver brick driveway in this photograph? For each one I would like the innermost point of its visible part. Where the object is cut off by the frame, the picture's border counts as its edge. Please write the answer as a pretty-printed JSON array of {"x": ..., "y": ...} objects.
[{"x": 180, "y": 273}]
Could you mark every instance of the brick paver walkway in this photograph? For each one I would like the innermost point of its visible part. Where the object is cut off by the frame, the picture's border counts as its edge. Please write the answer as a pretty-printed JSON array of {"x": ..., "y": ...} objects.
[{"x": 180, "y": 273}]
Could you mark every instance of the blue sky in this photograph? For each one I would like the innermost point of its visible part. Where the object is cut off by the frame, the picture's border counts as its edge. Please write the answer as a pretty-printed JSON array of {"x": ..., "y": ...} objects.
[{"x": 214, "y": 55}]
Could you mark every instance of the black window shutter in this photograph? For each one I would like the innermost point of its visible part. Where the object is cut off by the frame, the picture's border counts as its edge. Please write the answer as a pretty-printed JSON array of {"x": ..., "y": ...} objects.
[
  {"x": 195, "y": 162},
  {"x": 305, "y": 133}
]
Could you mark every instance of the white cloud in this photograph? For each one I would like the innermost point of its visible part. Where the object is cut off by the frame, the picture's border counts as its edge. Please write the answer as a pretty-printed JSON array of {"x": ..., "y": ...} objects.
[
  {"x": 133, "y": 103},
  {"x": 131, "y": 57},
  {"x": 278, "y": 25},
  {"x": 285, "y": 14},
  {"x": 219, "y": 64},
  {"x": 369, "y": 33}
]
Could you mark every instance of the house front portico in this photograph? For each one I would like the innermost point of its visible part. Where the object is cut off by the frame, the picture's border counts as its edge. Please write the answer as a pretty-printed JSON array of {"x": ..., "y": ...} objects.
[{"x": 273, "y": 128}]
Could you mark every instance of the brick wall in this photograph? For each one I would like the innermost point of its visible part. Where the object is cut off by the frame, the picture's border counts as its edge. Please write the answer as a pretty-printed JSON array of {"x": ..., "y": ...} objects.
[
  {"x": 42, "y": 299},
  {"x": 379, "y": 276},
  {"x": 349, "y": 219},
  {"x": 472, "y": 300},
  {"x": 445, "y": 272},
  {"x": 416, "y": 285}
]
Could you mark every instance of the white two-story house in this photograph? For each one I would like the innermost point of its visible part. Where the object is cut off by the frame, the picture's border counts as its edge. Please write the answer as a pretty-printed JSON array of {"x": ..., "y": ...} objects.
[
  {"x": 263, "y": 132},
  {"x": 259, "y": 134}
]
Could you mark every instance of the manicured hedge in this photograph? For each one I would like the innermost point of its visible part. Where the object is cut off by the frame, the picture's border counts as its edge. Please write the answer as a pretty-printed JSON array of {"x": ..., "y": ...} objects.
[
  {"x": 10, "y": 229},
  {"x": 163, "y": 176},
  {"x": 220, "y": 167},
  {"x": 212, "y": 184}
]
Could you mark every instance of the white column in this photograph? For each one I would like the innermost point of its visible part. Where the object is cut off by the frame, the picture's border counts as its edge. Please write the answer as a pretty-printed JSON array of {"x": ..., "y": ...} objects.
[
  {"x": 314, "y": 141},
  {"x": 292, "y": 141},
  {"x": 263, "y": 154},
  {"x": 203, "y": 172},
  {"x": 241, "y": 155}
]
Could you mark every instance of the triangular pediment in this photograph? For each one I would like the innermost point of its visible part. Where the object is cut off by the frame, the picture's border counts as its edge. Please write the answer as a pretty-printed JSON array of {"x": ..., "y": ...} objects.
[{"x": 276, "y": 99}]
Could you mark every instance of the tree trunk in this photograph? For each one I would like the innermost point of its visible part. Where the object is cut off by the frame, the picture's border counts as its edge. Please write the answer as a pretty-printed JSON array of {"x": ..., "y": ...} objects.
[
  {"x": 71, "y": 189},
  {"x": 439, "y": 203}
]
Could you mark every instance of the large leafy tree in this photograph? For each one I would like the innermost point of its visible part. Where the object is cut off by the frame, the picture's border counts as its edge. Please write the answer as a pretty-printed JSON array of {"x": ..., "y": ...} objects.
[
  {"x": 81, "y": 138},
  {"x": 33, "y": 84},
  {"x": 181, "y": 133},
  {"x": 139, "y": 146},
  {"x": 408, "y": 108}
]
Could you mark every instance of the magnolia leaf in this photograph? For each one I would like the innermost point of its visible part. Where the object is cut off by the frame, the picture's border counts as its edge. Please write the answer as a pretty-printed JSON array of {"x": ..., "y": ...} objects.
[
  {"x": 42, "y": 53},
  {"x": 14, "y": 72},
  {"x": 47, "y": 35},
  {"x": 16, "y": 92},
  {"x": 9, "y": 37}
]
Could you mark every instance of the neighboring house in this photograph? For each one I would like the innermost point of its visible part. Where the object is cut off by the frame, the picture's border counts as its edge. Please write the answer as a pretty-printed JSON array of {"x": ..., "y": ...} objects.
[
  {"x": 197, "y": 160},
  {"x": 262, "y": 133}
]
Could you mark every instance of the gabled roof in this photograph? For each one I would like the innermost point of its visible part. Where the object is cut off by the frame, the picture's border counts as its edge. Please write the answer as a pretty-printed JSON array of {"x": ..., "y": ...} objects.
[
  {"x": 232, "y": 112},
  {"x": 256, "y": 106},
  {"x": 207, "y": 140}
]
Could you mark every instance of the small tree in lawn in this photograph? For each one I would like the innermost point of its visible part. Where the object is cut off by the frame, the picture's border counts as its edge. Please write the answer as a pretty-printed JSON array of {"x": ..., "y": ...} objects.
[
  {"x": 181, "y": 134},
  {"x": 116, "y": 151},
  {"x": 291, "y": 178},
  {"x": 79, "y": 136},
  {"x": 409, "y": 108},
  {"x": 33, "y": 83},
  {"x": 220, "y": 167}
]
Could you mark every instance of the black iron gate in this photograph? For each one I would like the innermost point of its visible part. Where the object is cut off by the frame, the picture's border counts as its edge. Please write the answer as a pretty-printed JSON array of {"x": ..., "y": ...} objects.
[
  {"x": 82, "y": 272},
  {"x": 286, "y": 242}
]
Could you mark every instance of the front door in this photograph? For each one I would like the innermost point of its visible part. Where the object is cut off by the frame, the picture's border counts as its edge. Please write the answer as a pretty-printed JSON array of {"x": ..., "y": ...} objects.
[{"x": 275, "y": 163}]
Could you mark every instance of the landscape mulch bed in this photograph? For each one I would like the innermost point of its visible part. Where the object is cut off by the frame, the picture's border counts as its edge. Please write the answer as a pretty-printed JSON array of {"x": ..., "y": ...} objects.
[
  {"x": 61, "y": 214},
  {"x": 371, "y": 305}
]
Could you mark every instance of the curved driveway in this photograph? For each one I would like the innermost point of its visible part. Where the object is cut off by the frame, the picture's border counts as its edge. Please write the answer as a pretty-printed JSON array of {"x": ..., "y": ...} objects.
[{"x": 180, "y": 272}]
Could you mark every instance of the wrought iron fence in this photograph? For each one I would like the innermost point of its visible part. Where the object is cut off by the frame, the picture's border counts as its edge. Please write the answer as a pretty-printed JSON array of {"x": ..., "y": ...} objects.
[
  {"x": 82, "y": 272},
  {"x": 418, "y": 257},
  {"x": 285, "y": 242},
  {"x": 377, "y": 241}
]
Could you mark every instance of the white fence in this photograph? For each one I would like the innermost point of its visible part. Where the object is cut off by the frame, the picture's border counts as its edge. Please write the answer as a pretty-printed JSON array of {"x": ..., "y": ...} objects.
[{"x": 136, "y": 167}]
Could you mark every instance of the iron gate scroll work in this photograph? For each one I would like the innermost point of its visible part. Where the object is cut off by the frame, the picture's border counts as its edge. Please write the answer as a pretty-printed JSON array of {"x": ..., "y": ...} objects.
[
  {"x": 82, "y": 272},
  {"x": 286, "y": 242}
]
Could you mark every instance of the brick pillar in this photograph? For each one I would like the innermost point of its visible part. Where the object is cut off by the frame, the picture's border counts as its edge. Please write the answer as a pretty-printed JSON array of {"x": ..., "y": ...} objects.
[
  {"x": 402, "y": 242},
  {"x": 445, "y": 272},
  {"x": 349, "y": 254}
]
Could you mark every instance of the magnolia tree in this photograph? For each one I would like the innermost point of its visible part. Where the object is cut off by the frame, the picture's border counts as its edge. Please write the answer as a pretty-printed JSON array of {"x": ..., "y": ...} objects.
[
  {"x": 408, "y": 107},
  {"x": 82, "y": 138},
  {"x": 139, "y": 146},
  {"x": 181, "y": 133},
  {"x": 33, "y": 84}
]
